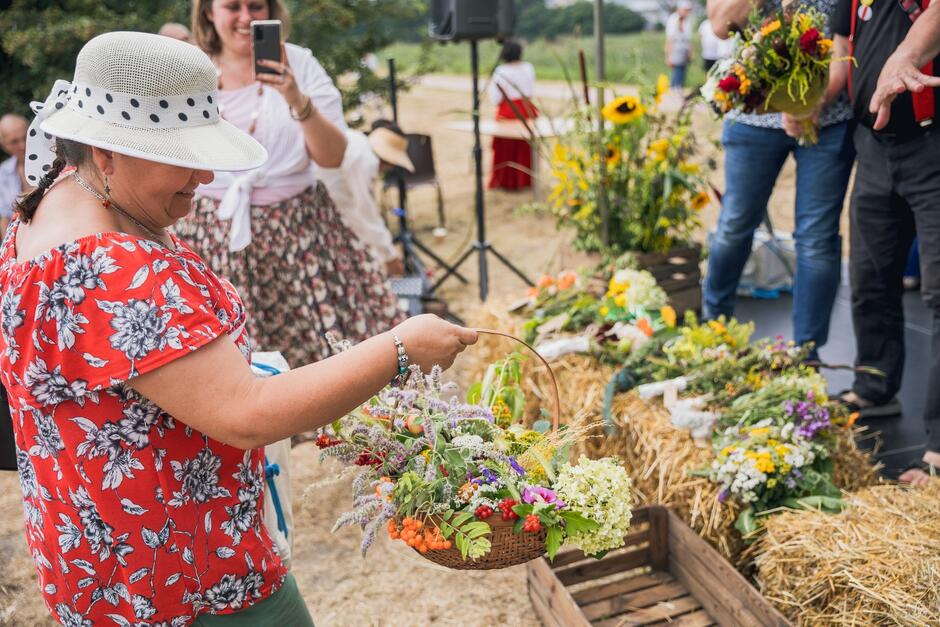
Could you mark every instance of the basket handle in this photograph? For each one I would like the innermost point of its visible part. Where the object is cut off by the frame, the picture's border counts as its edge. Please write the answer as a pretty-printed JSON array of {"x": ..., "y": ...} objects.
[{"x": 556, "y": 413}]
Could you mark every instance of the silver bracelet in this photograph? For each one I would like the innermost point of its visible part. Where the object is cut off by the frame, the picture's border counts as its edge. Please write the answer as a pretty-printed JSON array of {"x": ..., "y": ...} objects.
[{"x": 399, "y": 379}]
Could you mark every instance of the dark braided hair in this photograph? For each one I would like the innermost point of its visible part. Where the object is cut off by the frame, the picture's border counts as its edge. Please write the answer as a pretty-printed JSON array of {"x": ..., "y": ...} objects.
[{"x": 67, "y": 153}]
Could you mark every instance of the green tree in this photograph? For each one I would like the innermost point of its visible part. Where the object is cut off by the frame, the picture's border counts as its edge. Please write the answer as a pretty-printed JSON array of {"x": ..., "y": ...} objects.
[{"x": 39, "y": 39}]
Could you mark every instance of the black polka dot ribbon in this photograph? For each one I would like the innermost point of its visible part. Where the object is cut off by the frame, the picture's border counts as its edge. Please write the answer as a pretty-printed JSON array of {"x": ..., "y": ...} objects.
[{"x": 120, "y": 109}]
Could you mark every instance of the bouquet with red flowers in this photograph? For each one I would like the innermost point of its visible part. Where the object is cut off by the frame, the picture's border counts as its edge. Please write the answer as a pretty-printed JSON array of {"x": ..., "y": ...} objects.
[{"x": 781, "y": 64}]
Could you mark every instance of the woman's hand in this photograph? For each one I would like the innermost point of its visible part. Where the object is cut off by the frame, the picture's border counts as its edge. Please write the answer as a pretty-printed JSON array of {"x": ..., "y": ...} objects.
[
  {"x": 431, "y": 341},
  {"x": 284, "y": 81}
]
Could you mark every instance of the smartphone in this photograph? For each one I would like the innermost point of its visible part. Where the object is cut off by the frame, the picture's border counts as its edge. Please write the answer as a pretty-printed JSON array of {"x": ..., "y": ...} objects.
[{"x": 265, "y": 43}]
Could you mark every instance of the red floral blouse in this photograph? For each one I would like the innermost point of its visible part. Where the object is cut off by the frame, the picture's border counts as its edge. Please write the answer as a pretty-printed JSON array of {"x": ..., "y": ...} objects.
[{"x": 132, "y": 517}]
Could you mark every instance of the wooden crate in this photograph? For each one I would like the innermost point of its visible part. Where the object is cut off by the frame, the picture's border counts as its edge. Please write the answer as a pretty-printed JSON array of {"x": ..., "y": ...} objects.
[
  {"x": 679, "y": 273},
  {"x": 664, "y": 575}
]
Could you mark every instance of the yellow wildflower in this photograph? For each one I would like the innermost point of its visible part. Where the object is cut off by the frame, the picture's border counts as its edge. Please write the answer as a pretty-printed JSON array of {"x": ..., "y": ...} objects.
[
  {"x": 616, "y": 288},
  {"x": 728, "y": 450},
  {"x": 620, "y": 300},
  {"x": 689, "y": 168},
  {"x": 824, "y": 46},
  {"x": 662, "y": 86},
  {"x": 759, "y": 432},
  {"x": 771, "y": 483},
  {"x": 717, "y": 327},
  {"x": 605, "y": 310},
  {"x": 700, "y": 200},
  {"x": 770, "y": 28},
  {"x": 782, "y": 450},
  {"x": 669, "y": 316},
  {"x": 623, "y": 110},
  {"x": 785, "y": 469},
  {"x": 658, "y": 149},
  {"x": 764, "y": 464},
  {"x": 745, "y": 87}
]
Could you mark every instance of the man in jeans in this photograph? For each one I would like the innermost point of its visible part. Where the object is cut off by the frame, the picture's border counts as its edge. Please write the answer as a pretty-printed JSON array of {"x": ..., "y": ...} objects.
[
  {"x": 756, "y": 147},
  {"x": 897, "y": 188}
]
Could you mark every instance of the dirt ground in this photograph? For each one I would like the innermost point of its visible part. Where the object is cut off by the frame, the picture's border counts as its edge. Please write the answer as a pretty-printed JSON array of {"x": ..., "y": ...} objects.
[{"x": 392, "y": 586}]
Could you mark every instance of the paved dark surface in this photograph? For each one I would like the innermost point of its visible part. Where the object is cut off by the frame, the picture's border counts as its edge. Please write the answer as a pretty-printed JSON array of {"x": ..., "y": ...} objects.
[{"x": 902, "y": 437}]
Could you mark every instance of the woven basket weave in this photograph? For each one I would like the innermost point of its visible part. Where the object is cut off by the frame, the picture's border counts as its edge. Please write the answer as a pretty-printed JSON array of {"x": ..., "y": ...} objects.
[{"x": 506, "y": 548}]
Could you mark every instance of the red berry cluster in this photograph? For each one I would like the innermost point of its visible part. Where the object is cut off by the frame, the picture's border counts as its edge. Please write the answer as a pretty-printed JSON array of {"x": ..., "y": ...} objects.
[
  {"x": 325, "y": 441},
  {"x": 532, "y": 524},
  {"x": 505, "y": 506},
  {"x": 368, "y": 458},
  {"x": 483, "y": 512}
]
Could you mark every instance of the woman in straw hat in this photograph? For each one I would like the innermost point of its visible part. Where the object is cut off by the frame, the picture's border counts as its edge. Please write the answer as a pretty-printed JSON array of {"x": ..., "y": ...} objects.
[
  {"x": 137, "y": 420},
  {"x": 274, "y": 231}
]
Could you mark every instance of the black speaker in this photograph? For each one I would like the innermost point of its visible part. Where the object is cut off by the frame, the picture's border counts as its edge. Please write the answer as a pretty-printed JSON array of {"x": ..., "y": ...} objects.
[{"x": 458, "y": 20}]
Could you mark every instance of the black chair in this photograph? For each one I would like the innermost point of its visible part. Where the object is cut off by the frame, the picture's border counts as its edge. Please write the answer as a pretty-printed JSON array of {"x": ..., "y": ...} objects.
[{"x": 422, "y": 156}]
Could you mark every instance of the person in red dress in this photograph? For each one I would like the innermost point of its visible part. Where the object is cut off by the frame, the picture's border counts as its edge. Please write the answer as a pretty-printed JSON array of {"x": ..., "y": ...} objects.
[
  {"x": 513, "y": 79},
  {"x": 138, "y": 423}
]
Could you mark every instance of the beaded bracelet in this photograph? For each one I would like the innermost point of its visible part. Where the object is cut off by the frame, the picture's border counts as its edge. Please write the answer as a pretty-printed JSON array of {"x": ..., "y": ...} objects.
[
  {"x": 305, "y": 112},
  {"x": 399, "y": 379}
]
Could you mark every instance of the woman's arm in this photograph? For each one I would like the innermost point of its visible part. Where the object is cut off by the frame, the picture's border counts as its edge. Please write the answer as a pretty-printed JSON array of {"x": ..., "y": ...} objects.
[
  {"x": 724, "y": 13},
  {"x": 325, "y": 140},
  {"x": 214, "y": 391}
]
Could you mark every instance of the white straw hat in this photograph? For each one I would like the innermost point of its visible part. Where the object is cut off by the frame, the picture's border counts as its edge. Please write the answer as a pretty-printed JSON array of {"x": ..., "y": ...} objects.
[
  {"x": 145, "y": 96},
  {"x": 391, "y": 147}
]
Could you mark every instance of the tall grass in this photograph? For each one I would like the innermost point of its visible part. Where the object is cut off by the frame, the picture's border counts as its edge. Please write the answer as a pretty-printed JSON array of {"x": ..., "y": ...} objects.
[{"x": 633, "y": 58}]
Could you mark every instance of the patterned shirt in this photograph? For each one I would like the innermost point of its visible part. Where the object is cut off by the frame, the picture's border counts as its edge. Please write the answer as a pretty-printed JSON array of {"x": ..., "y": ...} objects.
[
  {"x": 837, "y": 111},
  {"x": 132, "y": 517}
]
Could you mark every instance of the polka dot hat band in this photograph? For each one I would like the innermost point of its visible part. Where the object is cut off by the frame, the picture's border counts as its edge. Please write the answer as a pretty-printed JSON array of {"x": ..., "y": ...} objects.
[{"x": 142, "y": 95}]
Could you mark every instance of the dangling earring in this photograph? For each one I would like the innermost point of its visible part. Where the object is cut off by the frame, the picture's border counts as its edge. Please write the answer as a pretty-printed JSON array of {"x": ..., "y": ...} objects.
[{"x": 107, "y": 194}]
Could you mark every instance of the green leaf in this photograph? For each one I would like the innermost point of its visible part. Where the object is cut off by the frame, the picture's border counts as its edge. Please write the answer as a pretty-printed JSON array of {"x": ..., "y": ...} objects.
[
  {"x": 746, "y": 522},
  {"x": 476, "y": 532},
  {"x": 461, "y": 518},
  {"x": 576, "y": 523},
  {"x": 446, "y": 530},
  {"x": 473, "y": 394},
  {"x": 542, "y": 426},
  {"x": 553, "y": 541}
]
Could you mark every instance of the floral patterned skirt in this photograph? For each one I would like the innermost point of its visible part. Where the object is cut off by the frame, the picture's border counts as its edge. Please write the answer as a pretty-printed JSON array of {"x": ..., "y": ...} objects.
[{"x": 304, "y": 274}]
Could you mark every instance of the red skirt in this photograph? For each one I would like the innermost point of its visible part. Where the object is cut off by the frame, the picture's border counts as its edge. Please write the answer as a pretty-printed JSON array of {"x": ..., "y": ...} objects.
[{"x": 512, "y": 158}]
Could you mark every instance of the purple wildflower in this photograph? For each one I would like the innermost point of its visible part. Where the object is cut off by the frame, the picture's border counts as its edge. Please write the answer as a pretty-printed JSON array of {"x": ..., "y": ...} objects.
[
  {"x": 538, "y": 494},
  {"x": 515, "y": 466},
  {"x": 723, "y": 496}
]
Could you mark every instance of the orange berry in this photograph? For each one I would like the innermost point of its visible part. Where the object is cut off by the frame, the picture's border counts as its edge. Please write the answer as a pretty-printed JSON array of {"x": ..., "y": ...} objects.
[
  {"x": 448, "y": 544},
  {"x": 408, "y": 521},
  {"x": 418, "y": 524}
]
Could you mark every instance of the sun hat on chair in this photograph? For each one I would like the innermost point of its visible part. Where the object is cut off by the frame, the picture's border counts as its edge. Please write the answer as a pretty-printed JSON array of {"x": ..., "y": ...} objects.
[
  {"x": 391, "y": 146},
  {"x": 145, "y": 96}
]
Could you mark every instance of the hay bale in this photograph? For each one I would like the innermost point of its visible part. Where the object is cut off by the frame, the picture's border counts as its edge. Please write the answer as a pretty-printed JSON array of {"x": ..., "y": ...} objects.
[{"x": 876, "y": 563}]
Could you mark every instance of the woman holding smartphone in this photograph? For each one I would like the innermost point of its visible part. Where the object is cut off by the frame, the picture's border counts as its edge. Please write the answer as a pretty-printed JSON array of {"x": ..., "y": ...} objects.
[{"x": 274, "y": 231}]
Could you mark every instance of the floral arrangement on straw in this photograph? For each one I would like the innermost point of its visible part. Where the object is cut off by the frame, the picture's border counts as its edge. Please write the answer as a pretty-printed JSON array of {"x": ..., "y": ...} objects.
[
  {"x": 781, "y": 63},
  {"x": 770, "y": 420},
  {"x": 652, "y": 186},
  {"x": 620, "y": 320},
  {"x": 434, "y": 471}
]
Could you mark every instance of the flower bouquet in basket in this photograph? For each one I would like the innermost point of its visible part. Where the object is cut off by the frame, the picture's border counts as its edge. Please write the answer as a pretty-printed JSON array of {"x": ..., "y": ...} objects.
[
  {"x": 468, "y": 490},
  {"x": 781, "y": 64}
]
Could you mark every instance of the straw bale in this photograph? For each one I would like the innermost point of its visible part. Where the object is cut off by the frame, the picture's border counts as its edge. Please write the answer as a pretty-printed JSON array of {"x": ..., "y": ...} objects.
[{"x": 876, "y": 563}]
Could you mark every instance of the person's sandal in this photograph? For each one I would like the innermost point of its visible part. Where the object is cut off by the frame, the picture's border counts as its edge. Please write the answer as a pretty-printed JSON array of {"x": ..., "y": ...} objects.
[{"x": 891, "y": 408}]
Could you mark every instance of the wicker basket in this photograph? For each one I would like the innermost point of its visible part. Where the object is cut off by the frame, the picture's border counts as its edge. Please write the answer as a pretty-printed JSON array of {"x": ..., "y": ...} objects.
[{"x": 506, "y": 548}]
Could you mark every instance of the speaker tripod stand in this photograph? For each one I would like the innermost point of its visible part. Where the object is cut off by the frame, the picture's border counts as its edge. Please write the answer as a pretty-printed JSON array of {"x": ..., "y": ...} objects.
[{"x": 480, "y": 245}]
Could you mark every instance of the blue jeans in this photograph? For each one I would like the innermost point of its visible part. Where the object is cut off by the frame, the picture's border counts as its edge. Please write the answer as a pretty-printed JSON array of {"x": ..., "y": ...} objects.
[
  {"x": 677, "y": 76},
  {"x": 753, "y": 159}
]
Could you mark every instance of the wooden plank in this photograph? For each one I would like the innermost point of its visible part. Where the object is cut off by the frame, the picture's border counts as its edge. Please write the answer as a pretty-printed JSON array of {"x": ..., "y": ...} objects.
[
  {"x": 634, "y": 601},
  {"x": 540, "y": 605},
  {"x": 727, "y": 596},
  {"x": 604, "y": 567},
  {"x": 700, "y": 618},
  {"x": 659, "y": 538},
  {"x": 660, "y": 612},
  {"x": 567, "y": 558},
  {"x": 622, "y": 586},
  {"x": 556, "y": 596}
]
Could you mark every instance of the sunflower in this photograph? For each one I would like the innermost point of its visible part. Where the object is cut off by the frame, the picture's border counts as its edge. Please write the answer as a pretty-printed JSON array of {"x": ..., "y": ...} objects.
[
  {"x": 613, "y": 155},
  {"x": 623, "y": 110},
  {"x": 700, "y": 200}
]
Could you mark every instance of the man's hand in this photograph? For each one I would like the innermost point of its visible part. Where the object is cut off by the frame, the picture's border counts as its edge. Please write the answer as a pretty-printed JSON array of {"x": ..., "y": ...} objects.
[
  {"x": 796, "y": 127},
  {"x": 899, "y": 74}
]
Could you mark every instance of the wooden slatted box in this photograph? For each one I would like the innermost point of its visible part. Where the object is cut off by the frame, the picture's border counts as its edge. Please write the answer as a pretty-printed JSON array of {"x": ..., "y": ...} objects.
[{"x": 664, "y": 575}]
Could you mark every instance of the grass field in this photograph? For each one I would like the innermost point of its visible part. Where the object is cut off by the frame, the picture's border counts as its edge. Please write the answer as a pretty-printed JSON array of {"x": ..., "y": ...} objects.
[{"x": 634, "y": 58}]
